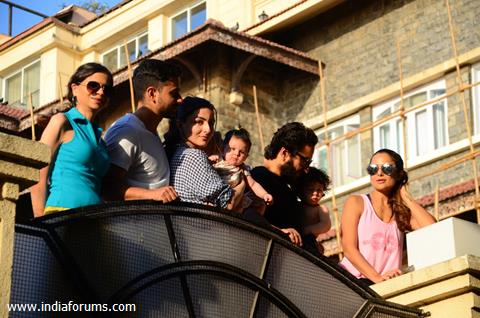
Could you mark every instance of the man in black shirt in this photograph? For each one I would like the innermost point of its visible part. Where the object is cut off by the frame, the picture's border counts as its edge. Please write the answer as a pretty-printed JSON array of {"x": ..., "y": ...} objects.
[{"x": 287, "y": 157}]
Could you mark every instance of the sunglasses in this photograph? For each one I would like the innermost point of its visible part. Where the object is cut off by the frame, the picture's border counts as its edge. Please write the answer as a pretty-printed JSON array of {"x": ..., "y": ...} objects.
[
  {"x": 305, "y": 161},
  {"x": 93, "y": 87},
  {"x": 387, "y": 168}
]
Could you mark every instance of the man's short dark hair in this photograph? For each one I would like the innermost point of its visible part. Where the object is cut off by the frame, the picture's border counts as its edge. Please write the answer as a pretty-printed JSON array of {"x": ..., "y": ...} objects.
[
  {"x": 150, "y": 72},
  {"x": 293, "y": 137},
  {"x": 240, "y": 133}
]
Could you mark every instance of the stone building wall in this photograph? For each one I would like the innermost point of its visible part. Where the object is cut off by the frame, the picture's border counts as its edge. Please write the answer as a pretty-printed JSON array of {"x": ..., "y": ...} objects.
[{"x": 357, "y": 42}]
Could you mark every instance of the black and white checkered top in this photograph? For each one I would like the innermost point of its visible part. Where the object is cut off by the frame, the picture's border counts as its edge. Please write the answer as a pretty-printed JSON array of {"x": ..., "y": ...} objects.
[{"x": 195, "y": 180}]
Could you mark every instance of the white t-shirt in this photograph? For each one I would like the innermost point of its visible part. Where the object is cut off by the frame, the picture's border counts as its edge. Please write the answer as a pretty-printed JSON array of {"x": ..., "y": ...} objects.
[{"x": 139, "y": 152}]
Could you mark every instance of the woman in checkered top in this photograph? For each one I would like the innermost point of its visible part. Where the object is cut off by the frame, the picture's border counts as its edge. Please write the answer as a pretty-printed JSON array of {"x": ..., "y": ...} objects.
[{"x": 191, "y": 173}]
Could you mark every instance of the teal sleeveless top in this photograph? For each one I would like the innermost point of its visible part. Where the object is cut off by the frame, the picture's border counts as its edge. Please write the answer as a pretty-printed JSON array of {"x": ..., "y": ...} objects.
[{"x": 78, "y": 166}]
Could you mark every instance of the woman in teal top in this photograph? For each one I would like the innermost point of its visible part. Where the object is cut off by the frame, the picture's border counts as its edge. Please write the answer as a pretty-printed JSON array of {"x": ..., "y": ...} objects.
[{"x": 79, "y": 156}]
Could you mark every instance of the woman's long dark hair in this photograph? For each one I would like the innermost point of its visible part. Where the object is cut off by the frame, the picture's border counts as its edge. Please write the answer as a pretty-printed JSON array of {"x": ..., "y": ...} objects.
[
  {"x": 400, "y": 211},
  {"x": 84, "y": 71},
  {"x": 184, "y": 110}
]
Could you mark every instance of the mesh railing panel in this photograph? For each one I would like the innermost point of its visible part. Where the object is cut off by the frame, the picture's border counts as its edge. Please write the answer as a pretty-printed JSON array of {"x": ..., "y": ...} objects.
[
  {"x": 112, "y": 251},
  {"x": 163, "y": 299},
  {"x": 304, "y": 284},
  {"x": 37, "y": 276},
  {"x": 266, "y": 309},
  {"x": 201, "y": 239},
  {"x": 215, "y": 297},
  {"x": 124, "y": 254}
]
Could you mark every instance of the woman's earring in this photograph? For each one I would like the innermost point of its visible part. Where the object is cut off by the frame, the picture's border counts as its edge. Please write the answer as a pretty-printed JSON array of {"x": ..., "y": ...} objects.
[{"x": 74, "y": 101}]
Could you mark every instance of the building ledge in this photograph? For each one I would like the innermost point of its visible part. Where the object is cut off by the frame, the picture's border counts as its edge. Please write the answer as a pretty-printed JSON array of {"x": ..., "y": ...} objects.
[
  {"x": 20, "y": 160},
  {"x": 447, "y": 289}
]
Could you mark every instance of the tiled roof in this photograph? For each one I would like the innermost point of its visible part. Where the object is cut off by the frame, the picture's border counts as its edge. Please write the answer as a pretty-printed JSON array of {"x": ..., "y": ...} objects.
[
  {"x": 17, "y": 119},
  {"x": 13, "y": 112},
  {"x": 448, "y": 192},
  {"x": 215, "y": 31}
]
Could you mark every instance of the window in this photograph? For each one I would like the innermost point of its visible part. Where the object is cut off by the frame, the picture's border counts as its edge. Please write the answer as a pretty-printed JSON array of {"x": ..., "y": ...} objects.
[
  {"x": 389, "y": 134},
  {"x": 345, "y": 154},
  {"x": 18, "y": 86},
  {"x": 188, "y": 20},
  {"x": 476, "y": 98},
  {"x": 427, "y": 128},
  {"x": 116, "y": 59}
]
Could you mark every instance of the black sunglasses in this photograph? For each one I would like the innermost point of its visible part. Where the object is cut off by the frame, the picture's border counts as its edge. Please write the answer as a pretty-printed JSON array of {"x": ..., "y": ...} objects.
[
  {"x": 387, "y": 168},
  {"x": 305, "y": 161},
  {"x": 93, "y": 87}
]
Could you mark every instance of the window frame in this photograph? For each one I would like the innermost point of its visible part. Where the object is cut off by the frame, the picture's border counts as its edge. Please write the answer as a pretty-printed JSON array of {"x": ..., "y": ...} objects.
[
  {"x": 346, "y": 164},
  {"x": 120, "y": 50},
  {"x": 4, "y": 79},
  {"x": 411, "y": 117},
  {"x": 188, "y": 10},
  {"x": 475, "y": 91}
]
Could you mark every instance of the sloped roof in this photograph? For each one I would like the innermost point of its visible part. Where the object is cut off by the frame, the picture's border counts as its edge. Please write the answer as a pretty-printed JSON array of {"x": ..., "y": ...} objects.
[
  {"x": 215, "y": 31},
  {"x": 40, "y": 25}
]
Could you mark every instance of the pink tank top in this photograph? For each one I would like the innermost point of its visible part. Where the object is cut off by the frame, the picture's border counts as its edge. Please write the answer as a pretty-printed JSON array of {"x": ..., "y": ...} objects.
[{"x": 380, "y": 243}]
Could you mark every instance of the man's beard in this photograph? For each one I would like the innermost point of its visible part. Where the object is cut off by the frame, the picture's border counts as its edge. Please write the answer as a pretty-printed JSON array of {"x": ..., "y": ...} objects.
[{"x": 289, "y": 173}]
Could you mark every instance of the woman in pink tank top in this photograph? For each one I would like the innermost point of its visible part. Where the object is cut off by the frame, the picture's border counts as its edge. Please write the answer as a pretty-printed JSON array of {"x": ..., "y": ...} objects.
[{"x": 373, "y": 225}]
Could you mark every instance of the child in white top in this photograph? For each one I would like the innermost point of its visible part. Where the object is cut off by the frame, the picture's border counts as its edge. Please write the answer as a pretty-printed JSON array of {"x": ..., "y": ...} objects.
[{"x": 233, "y": 168}]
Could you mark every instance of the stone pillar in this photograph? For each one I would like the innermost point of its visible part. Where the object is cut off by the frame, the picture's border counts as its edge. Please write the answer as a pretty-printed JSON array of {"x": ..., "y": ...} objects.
[
  {"x": 448, "y": 289},
  {"x": 20, "y": 161}
]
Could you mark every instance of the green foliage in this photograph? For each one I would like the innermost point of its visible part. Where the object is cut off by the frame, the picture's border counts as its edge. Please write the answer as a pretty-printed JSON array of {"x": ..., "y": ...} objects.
[{"x": 94, "y": 6}]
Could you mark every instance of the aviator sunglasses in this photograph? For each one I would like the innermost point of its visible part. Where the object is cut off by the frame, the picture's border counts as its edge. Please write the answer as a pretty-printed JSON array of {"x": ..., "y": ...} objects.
[
  {"x": 305, "y": 161},
  {"x": 93, "y": 87},
  {"x": 387, "y": 168}
]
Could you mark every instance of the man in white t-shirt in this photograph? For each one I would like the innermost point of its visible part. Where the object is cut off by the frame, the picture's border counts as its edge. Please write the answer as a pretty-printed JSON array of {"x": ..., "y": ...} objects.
[{"x": 139, "y": 167}]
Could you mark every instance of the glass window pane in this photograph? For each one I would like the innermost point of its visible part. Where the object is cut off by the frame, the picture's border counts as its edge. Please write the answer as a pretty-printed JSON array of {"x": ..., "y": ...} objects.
[
  {"x": 110, "y": 60},
  {"x": 13, "y": 89},
  {"x": 353, "y": 157},
  {"x": 320, "y": 158},
  {"x": 31, "y": 84},
  {"x": 439, "y": 129},
  {"x": 384, "y": 114},
  {"x": 415, "y": 99},
  {"x": 142, "y": 45},
  {"x": 131, "y": 53},
  {"x": 399, "y": 138},
  {"x": 421, "y": 132},
  {"x": 436, "y": 92},
  {"x": 384, "y": 136},
  {"x": 338, "y": 160},
  {"x": 198, "y": 16},
  {"x": 335, "y": 132},
  {"x": 179, "y": 25},
  {"x": 476, "y": 99}
]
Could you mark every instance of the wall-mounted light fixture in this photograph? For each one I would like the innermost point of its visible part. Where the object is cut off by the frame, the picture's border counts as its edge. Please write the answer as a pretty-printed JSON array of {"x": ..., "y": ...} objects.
[{"x": 263, "y": 16}]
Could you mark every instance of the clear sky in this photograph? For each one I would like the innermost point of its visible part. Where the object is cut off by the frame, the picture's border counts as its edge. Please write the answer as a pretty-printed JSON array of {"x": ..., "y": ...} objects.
[{"x": 23, "y": 20}]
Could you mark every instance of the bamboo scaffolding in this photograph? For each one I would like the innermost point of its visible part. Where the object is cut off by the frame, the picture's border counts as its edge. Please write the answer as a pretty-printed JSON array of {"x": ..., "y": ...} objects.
[
  {"x": 32, "y": 118},
  {"x": 257, "y": 113},
  {"x": 402, "y": 104},
  {"x": 330, "y": 163},
  {"x": 460, "y": 89},
  {"x": 464, "y": 104},
  {"x": 448, "y": 165},
  {"x": 130, "y": 81},
  {"x": 60, "y": 89}
]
